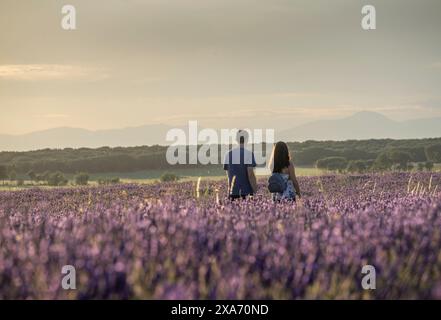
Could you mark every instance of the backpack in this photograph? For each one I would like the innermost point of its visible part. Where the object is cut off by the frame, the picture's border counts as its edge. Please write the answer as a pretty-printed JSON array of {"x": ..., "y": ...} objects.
[{"x": 276, "y": 183}]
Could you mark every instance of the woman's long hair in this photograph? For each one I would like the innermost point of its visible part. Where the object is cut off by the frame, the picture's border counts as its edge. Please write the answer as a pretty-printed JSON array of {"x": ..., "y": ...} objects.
[{"x": 280, "y": 157}]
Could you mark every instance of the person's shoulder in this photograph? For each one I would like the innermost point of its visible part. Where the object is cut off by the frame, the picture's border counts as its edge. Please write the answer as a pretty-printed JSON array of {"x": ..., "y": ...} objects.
[
  {"x": 248, "y": 151},
  {"x": 227, "y": 156},
  {"x": 233, "y": 150}
]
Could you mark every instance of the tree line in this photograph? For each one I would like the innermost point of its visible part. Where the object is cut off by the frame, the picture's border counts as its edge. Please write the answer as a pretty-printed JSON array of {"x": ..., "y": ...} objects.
[
  {"x": 397, "y": 158},
  {"x": 378, "y": 154}
]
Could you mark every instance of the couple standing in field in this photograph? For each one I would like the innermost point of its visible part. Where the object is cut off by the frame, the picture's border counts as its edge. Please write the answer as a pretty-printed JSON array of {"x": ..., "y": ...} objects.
[{"x": 239, "y": 163}]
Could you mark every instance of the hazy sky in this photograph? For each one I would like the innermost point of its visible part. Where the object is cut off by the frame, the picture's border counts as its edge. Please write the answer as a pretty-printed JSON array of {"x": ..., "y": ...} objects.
[{"x": 222, "y": 62}]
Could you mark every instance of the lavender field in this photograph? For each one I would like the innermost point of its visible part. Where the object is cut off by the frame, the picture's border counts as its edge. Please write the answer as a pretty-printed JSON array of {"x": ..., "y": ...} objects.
[{"x": 177, "y": 241}]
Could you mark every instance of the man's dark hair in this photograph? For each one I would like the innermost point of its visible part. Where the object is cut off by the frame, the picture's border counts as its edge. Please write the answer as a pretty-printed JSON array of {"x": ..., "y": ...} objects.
[{"x": 243, "y": 136}]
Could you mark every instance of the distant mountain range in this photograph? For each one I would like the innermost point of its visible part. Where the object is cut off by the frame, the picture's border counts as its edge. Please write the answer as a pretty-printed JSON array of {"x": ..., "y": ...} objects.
[
  {"x": 65, "y": 137},
  {"x": 361, "y": 125}
]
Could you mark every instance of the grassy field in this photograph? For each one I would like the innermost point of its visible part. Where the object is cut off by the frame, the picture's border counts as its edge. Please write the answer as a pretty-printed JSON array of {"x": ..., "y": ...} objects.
[
  {"x": 148, "y": 176},
  {"x": 151, "y": 176}
]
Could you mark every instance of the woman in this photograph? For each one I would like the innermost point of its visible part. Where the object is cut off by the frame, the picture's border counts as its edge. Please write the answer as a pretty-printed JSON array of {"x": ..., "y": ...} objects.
[{"x": 281, "y": 163}]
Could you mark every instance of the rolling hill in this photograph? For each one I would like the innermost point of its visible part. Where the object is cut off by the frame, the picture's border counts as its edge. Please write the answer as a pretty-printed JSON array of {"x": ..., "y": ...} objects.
[
  {"x": 361, "y": 125},
  {"x": 65, "y": 137}
]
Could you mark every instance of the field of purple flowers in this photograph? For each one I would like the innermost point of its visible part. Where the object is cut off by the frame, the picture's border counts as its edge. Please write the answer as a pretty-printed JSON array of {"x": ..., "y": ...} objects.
[{"x": 177, "y": 241}]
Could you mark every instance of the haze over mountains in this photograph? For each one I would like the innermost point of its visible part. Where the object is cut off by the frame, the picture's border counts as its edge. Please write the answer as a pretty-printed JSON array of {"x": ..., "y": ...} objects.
[
  {"x": 65, "y": 137},
  {"x": 361, "y": 125},
  {"x": 364, "y": 125}
]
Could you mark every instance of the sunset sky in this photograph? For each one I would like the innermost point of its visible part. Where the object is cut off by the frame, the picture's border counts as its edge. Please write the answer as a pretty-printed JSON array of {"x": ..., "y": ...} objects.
[{"x": 222, "y": 62}]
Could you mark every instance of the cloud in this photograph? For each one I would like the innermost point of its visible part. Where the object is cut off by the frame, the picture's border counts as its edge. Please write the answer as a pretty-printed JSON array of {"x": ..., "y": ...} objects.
[{"x": 38, "y": 72}]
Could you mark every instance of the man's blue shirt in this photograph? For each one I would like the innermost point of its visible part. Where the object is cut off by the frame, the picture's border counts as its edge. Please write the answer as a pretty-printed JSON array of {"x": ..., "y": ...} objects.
[{"x": 236, "y": 162}]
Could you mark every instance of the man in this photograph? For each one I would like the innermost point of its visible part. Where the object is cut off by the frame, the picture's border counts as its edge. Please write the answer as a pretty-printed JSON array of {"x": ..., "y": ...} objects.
[{"x": 239, "y": 164}]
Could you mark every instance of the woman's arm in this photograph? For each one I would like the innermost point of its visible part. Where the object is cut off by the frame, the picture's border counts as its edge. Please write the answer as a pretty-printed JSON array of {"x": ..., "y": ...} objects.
[{"x": 293, "y": 178}]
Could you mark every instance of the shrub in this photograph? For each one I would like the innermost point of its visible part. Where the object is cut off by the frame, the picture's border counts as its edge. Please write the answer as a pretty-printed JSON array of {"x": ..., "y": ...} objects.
[
  {"x": 399, "y": 159},
  {"x": 45, "y": 176},
  {"x": 114, "y": 180},
  {"x": 428, "y": 165},
  {"x": 169, "y": 177},
  {"x": 12, "y": 175},
  {"x": 3, "y": 173},
  {"x": 82, "y": 179},
  {"x": 106, "y": 181},
  {"x": 433, "y": 153},
  {"x": 382, "y": 162},
  {"x": 332, "y": 163},
  {"x": 32, "y": 175},
  {"x": 56, "y": 179},
  {"x": 357, "y": 166},
  {"x": 392, "y": 159}
]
